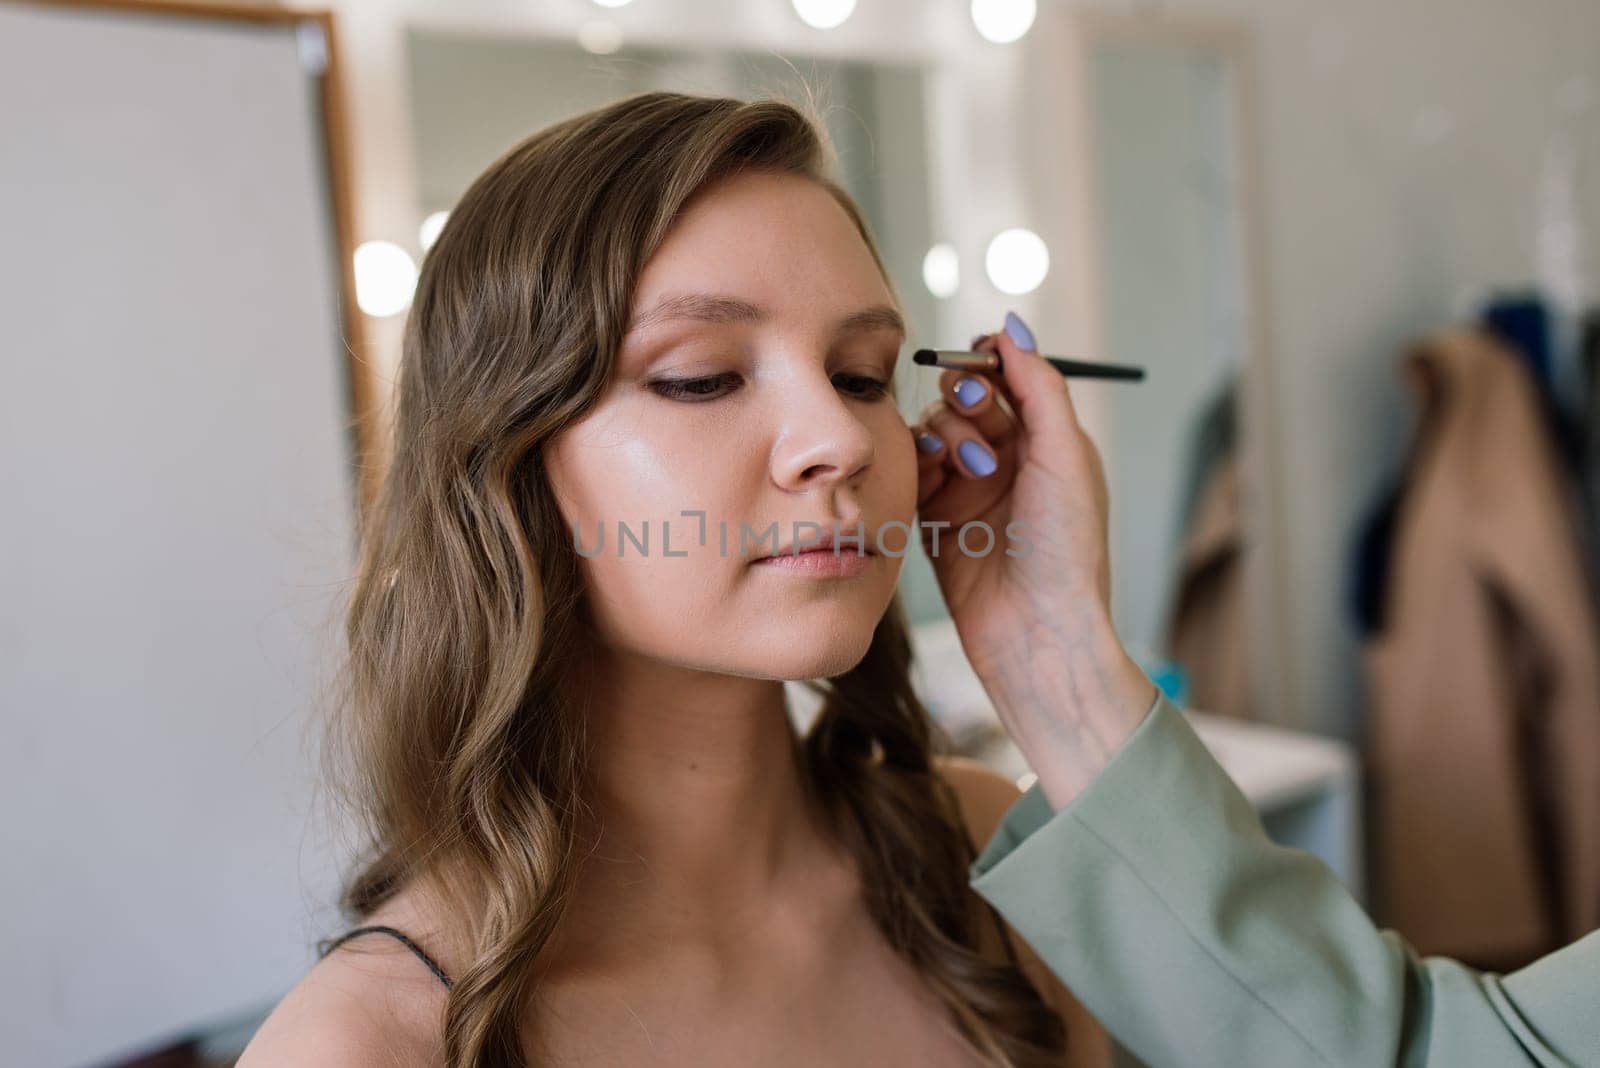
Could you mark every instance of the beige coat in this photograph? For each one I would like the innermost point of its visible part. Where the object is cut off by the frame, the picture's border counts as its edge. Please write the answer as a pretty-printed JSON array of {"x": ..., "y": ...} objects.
[{"x": 1484, "y": 683}]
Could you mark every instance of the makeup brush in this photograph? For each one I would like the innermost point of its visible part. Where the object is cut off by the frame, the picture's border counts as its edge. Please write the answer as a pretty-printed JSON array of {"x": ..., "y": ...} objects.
[{"x": 968, "y": 360}]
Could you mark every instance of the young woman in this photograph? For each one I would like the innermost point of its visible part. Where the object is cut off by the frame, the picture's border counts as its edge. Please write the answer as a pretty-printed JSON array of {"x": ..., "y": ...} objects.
[{"x": 596, "y": 838}]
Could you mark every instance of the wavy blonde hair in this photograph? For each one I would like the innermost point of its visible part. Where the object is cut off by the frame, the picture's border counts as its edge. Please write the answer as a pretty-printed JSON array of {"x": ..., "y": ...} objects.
[{"x": 456, "y": 736}]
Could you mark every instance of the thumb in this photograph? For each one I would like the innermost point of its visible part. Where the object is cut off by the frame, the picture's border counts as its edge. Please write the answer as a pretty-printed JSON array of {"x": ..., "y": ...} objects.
[{"x": 1037, "y": 391}]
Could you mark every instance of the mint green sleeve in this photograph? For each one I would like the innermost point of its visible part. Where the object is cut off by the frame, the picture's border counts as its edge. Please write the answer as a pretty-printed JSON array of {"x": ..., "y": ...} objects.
[{"x": 1159, "y": 900}]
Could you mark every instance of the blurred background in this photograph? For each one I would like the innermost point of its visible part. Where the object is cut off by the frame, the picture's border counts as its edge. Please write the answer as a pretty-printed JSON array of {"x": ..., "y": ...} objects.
[{"x": 1355, "y": 498}]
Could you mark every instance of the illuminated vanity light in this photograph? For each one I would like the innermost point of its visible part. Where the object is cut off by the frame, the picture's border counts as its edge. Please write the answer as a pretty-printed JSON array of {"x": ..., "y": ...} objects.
[
  {"x": 941, "y": 270},
  {"x": 1003, "y": 21},
  {"x": 1017, "y": 261},
  {"x": 823, "y": 14},
  {"x": 428, "y": 232},
  {"x": 385, "y": 278}
]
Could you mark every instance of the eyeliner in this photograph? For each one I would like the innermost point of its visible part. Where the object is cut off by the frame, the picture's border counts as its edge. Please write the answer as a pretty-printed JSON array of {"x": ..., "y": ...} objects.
[{"x": 968, "y": 360}]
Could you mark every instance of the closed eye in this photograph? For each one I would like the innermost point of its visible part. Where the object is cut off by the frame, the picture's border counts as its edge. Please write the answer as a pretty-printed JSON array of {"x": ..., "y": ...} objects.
[{"x": 696, "y": 390}]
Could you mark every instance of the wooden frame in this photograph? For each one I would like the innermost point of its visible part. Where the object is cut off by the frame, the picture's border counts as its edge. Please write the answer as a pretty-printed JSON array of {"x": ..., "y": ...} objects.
[{"x": 336, "y": 146}]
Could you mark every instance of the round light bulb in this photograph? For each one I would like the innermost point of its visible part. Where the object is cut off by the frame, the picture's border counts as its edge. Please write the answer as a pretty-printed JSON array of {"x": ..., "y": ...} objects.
[
  {"x": 1017, "y": 261},
  {"x": 385, "y": 278},
  {"x": 1003, "y": 21},
  {"x": 428, "y": 232},
  {"x": 823, "y": 14},
  {"x": 941, "y": 270}
]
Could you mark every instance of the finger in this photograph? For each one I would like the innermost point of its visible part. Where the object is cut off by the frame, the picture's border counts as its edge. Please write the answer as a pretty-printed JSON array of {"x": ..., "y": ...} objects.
[
  {"x": 973, "y": 394},
  {"x": 986, "y": 343},
  {"x": 994, "y": 419},
  {"x": 967, "y": 451},
  {"x": 932, "y": 470},
  {"x": 1042, "y": 399}
]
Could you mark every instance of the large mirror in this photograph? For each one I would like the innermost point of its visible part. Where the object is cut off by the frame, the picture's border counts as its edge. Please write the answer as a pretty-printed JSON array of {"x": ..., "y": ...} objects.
[{"x": 1168, "y": 188}]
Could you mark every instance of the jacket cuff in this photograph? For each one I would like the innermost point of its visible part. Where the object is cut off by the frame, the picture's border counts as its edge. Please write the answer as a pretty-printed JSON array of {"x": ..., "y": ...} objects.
[{"x": 1032, "y": 810}]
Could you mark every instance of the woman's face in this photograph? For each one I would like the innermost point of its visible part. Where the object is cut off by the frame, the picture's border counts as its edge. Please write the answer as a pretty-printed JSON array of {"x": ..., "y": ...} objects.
[{"x": 757, "y": 394}]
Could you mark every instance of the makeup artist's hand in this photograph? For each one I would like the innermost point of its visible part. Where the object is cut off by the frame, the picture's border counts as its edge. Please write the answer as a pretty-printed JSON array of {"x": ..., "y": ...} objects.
[{"x": 1036, "y": 625}]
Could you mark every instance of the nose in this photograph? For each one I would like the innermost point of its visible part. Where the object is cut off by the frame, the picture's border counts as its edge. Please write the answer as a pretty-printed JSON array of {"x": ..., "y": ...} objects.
[{"x": 822, "y": 441}]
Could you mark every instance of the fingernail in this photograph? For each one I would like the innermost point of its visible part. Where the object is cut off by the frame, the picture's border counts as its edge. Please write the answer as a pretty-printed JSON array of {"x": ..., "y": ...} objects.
[
  {"x": 977, "y": 458},
  {"x": 1019, "y": 332},
  {"x": 970, "y": 391},
  {"x": 929, "y": 443}
]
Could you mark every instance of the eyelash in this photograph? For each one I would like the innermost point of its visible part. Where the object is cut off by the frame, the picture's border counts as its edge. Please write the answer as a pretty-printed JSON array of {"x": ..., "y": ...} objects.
[{"x": 679, "y": 388}]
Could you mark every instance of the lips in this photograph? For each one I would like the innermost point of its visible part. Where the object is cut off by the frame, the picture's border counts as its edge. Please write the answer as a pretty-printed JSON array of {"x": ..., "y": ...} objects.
[{"x": 825, "y": 541}]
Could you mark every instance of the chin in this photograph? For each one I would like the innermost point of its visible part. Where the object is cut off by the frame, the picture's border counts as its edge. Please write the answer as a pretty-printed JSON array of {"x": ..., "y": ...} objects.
[{"x": 817, "y": 655}]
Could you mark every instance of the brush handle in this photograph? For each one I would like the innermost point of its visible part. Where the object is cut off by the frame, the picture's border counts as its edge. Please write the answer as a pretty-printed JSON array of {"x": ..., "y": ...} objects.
[
  {"x": 1082, "y": 369},
  {"x": 968, "y": 360}
]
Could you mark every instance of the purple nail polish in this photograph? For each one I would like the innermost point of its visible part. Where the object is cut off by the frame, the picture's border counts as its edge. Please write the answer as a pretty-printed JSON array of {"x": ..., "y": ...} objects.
[
  {"x": 1019, "y": 332},
  {"x": 977, "y": 458}
]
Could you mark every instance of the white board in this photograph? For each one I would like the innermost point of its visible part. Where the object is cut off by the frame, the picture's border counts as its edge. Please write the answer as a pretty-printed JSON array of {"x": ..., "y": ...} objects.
[{"x": 177, "y": 487}]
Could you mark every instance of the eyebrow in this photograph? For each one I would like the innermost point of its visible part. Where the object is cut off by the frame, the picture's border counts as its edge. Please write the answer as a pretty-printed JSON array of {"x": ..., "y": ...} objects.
[{"x": 716, "y": 308}]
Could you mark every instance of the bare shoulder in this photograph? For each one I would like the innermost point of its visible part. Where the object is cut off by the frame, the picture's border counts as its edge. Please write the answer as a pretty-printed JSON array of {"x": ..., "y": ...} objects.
[
  {"x": 368, "y": 1003},
  {"x": 985, "y": 794}
]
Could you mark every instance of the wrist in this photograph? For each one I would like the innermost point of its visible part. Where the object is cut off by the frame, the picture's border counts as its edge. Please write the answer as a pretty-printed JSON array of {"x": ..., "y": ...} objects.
[{"x": 1070, "y": 697}]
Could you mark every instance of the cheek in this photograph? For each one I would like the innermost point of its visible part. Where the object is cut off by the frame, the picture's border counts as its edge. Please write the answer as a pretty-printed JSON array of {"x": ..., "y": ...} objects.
[
  {"x": 654, "y": 603},
  {"x": 606, "y": 470},
  {"x": 898, "y": 463},
  {"x": 606, "y": 476},
  {"x": 654, "y": 589}
]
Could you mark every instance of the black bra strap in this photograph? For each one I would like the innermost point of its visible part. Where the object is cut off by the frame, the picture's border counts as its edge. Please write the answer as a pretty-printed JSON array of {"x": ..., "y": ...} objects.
[{"x": 380, "y": 929}]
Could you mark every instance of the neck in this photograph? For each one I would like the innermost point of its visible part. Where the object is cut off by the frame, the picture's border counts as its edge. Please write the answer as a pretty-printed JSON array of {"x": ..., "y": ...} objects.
[{"x": 701, "y": 812}]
